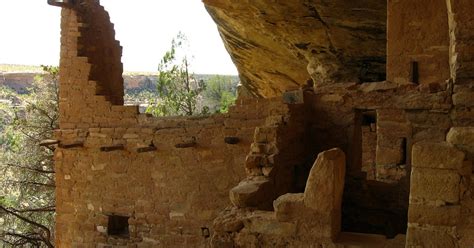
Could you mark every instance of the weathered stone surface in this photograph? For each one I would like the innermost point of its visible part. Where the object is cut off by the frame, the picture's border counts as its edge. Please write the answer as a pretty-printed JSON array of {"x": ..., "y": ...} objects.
[
  {"x": 436, "y": 155},
  {"x": 323, "y": 227},
  {"x": 230, "y": 221},
  {"x": 461, "y": 35},
  {"x": 265, "y": 134},
  {"x": 390, "y": 155},
  {"x": 465, "y": 98},
  {"x": 435, "y": 184},
  {"x": 222, "y": 240},
  {"x": 417, "y": 237},
  {"x": 252, "y": 192},
  {"x": 289, "y": 207},
  {"x": 378, "y": 86},
  {"x": 365, "y": 240},
  {"x": 266, "y": 223},
  {"x": 434, "y": 215},
  {"x": 277, "y": 46},
  {"x": 463, "y": 136},
  {"x": 325, "y": 183},
  {"x": 413, "y": 36}
]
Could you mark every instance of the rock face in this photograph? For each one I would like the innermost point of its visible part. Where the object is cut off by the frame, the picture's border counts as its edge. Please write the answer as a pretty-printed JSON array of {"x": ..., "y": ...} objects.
[
  {"x": 17, "y": 81},
  {"x": 279, "y": 45}
]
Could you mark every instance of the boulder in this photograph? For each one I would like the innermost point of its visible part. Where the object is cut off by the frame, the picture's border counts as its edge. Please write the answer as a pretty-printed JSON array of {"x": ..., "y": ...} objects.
[
  {"x": 325, "y": 183},
  {"x": 252, "y": 192},
  {"x": 289, "y": 207}
]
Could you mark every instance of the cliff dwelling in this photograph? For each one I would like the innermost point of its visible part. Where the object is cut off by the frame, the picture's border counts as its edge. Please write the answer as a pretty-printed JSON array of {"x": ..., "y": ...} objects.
[{"x": 353, "y": 128}]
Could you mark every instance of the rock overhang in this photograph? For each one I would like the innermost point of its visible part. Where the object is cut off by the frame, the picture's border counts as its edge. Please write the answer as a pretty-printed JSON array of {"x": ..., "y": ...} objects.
[{"x": 280, "y": 45}]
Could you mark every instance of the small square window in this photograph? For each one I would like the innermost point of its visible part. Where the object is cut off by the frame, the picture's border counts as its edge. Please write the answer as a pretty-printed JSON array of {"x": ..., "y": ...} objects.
[
  {"x": 118, "y": 226},
  {"x": 369, "y": 117}
]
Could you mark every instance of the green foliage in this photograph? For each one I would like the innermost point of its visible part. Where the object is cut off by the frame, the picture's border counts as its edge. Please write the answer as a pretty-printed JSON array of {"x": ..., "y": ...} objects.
[
  {"x": 180, "y": 92},
  {"x": 178, "y": 89},
  {"x": 221, "y": 92},
  {"x": 27, "y": 183},
  {"x": 227, "y": 100}
]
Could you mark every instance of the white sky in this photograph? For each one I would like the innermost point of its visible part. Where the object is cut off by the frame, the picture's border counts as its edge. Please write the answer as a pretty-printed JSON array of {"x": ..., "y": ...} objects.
[{"x": 29, "y": 33}]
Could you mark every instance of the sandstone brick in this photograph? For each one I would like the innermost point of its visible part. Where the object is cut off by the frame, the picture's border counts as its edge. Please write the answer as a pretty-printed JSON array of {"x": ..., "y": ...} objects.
[
  {"x": 436, "y": 155},
  {"x": 435, "y": 184},
  {"x": 265, "y": 134},
  {"x": 463, "y": 136},
  {"x": 389, "y": 155},
  {"x": 434, "y": 215},
  {"x": 289, "y": 207},
  {"x": 252, "y": 193},
  {"x": 255, "y": 161},
  {"x": 434, "y": 238},
  {"x": 464, "y": 98},
  {"x": 266, "y": 223}
]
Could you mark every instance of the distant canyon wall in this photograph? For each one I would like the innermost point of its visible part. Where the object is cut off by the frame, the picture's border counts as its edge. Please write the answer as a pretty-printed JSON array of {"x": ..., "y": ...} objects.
[{"x": 21, "y": 81}]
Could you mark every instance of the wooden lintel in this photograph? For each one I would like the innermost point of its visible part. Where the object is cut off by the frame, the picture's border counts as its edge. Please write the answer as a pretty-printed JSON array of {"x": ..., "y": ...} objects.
[
  {"x": 146, "y": 149},
  {"x": 186, "y": 145},
  {"x": 231, "y": 140},
  {"x": 71, "y": 145},
  {"x": 48, "y": 142},
  {"x": 112, "y": 148},
  {"x": 62, "y": 3}
]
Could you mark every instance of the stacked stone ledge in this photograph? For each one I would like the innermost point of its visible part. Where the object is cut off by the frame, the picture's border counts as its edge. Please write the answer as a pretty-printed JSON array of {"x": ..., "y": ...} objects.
[
  {"x": 313, "y": 216},
  {"x": 277, "y": 146}
]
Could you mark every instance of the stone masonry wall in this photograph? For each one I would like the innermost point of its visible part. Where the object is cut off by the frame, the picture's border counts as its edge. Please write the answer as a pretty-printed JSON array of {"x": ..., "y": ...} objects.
[
  {"x": 166, "y": 192},
  {"x": 441, "y": 202},
  {"x": 417, "y": 32},
  {"x": 278, "y": 149},
  {"x": 168, "y": 176},
  {"x": 435, "y": 194},
  {"x": 91, "y": 86}
]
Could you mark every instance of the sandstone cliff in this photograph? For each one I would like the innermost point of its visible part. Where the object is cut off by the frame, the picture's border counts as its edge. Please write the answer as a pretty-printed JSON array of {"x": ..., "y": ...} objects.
[{"x": 279, "y": 45}]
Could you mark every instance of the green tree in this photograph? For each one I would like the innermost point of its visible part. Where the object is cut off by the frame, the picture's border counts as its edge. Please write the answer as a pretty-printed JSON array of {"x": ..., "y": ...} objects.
[
  {"x": 227, "y": 100},
  {"x": 27, "y": 184},
  {"x": 178, "y": 88},
  {"x": 221, "y": 92}
]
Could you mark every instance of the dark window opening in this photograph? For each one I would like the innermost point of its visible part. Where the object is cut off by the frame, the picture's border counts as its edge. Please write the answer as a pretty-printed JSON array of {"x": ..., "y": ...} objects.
[
  {"x": 404, "y": 148},
  {"x": 372, "y": 69},
  {"x": 414, "y": 73},
  {"x": 369, "y": 117},
  {"x": 205, "y": 232},
  {"x": 366, "y": 135},
  {"x": 118, "y": 226}
]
